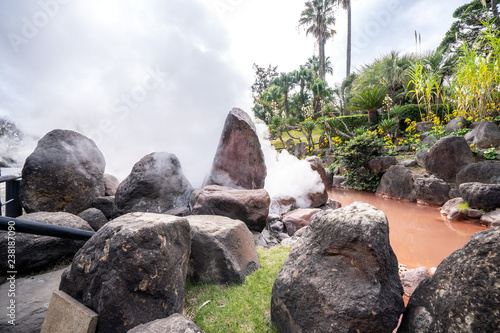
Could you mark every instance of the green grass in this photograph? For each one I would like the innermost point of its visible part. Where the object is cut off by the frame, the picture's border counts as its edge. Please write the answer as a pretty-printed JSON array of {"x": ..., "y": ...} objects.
[
  {"x": 238, "y": 308},
  {"x": 316, "y": 134}
]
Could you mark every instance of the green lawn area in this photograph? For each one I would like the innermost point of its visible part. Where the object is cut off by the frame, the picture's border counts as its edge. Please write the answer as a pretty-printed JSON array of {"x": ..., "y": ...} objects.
[
  {"x": 240, "y": 307},
  {"x": 316, "y": 134}
]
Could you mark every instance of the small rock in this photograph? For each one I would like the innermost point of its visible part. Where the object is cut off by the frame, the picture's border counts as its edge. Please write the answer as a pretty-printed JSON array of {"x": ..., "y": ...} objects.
[
  {"x": 283, "y": 236},
  {"x": 381, "y": 164},
  {"x": 173, "y": 324},
  {"x": 107, "y": 206},
  {"x": 474, "y": 213},
  {"x": 487, "y": 134},
  {"x": 412, "y": 278},
  {"x": 451, "y": 211},
  {"x": 94, "y": 217},
  {"x": 402, "y": 149},
  {"x": 298, "y": 218},
  {"x": 432, "y": 190},
  {"x": 408, "y": 163},
  {"x": 331, "y": 204},
  {"x": 456, "y": 124},
  {"x": 421, "y": 156},
  {"x": 424, "y": 126},
  {"x": 277, "y": 227},
  {"x": 481, "y": 196},
  {"x": 397, "y": 183},
  {"x": 111, "y": 184},
  {"x": 281, "y": 205},
  {"x": 338, "y": 182},
  {"x": 491, "y": 219},
  {"x": 429, "y": 141}
]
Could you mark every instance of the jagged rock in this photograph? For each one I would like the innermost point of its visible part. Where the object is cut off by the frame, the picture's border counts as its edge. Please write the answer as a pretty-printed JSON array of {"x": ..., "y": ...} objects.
[
  {"x": 35, "y": 253},
  {"x": 111, "y": 184},
  {"x": 412, "y": 278},
  {"x": 454, "y": 193},
  {"x": 64, "y": 173},
  {"x": 94, "y": 217},
  {"x": 397, "y": 183},
  {"x": 451, "y": 211},
  {"x": 132, "y": 271},
  {"x": 486, "y": 134},
  {"x": 491, "y": 219},
  {"x": 447, "y": 157},
  {"x": 432, "y": 190},
  {"x": 222, "y": 250},
  {"x": 281, "y": 205},
  {"x": 424, "y": 126},
  {"x": 481, "y": 196},
  {"x": 156, "y": 185},
  {"x": 484, "y": 172},
  {"x": 331, "y": 204},
  {"x": 239, "y": 161},
  {"x": 341, "y": 276},
  {"x": 473, "y": 213},
  {"x": 249, "y": 206},
  {"x": 429, "y": 141},
  {"x": 381, "y": 164},
  {"x": 179, "y": 211},
  {"x": 277, "y": 227},
  {"x": 298, "y": 219},
  {"x": 421, "y": 156},
  {"x": 107, "y": 206},
  {"x": 462, "y": 296},
  {"x": 33, "y": 296},
  {"x": 456, "y": 124},
  {"x": 173, "y": 324},
  {"x": 319, "y": 198}
]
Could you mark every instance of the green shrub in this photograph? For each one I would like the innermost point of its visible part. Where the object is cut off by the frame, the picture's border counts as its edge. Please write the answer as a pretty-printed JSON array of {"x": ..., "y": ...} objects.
[
  {"x": 355, "y": 156},
  {"x": 412, "y": 112}
]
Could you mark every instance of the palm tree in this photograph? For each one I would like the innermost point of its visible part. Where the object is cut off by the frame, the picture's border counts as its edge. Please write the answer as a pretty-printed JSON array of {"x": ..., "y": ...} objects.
[
  {"x": 286, "y": 82},
  {"x": 313, "y": 65},
  {"x": 346, "y": 4},
  {"x": 370, "y": 98},
  {"x": 321, "y": 92},
  {"x": 318, "y": 17}
]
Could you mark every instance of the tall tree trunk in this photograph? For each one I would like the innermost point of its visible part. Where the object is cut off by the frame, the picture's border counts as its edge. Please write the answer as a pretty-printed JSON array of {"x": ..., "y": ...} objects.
[
  {"x": 321, "y": 73},
  {"x": 348, "y": 69}
]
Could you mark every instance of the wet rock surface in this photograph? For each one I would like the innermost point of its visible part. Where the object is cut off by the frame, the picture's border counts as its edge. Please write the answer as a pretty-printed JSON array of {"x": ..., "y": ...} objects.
[
  {"x": 481, "y": 196},
  {"x": 397, "y": 183},
  {"x": 432, "y": 190},
  {"x": 487, "y": 172}
]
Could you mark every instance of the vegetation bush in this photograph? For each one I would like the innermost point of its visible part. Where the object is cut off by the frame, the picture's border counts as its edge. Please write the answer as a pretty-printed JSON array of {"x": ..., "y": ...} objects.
[
  {"x": 414, "y": 113},
  {"x": 355, "y": 157},
  {"x": 353, "y": 122}
]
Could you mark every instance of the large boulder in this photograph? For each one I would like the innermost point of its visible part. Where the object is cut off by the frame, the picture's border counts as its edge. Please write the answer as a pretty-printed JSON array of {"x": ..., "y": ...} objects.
[
  {"x": 481, "y": 196},
  {"x": 432, "y": 190},
  {"x": 397, "y": 183},
  {"x": 447, "y": 157},
  {"x": 429, "y": 141},
  {"x": 156, "y": 185},
  {"x": 35, "y": 253},
  {"x": 319, "y": 198},
  {"x": 462, "y": 295},
  {"x": 381, "y": 164},
  {"x": 111, "y": 184},
  {"x": 341, "y": 276},
  {"x": 249, "y": 206},
  {"x": 451, "y": 209},
  {"x": 456, "y": 124},
  {"x": 173, "y": 324},
  {"x": 487, "y": 134},
  {"x": 298, "y": 218},
  {"x": 132, "y": 271},
  {"x": 64, "y": 173},
  {"x": 222, "y": 250},
  {"x": 487, "y": 172},
  {"x": 239, "y": 161},
  {"x": 421, "y": 156}
]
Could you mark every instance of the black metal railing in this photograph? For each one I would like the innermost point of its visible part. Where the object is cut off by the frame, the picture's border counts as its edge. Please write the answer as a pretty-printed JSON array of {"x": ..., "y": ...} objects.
[
  {"x": 12, "y": 202},
  {"x": 43, "y": 229}
]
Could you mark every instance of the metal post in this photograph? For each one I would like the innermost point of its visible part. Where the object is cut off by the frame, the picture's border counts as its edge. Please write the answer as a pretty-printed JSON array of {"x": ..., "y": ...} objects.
[{"x": 13, "y": 207}]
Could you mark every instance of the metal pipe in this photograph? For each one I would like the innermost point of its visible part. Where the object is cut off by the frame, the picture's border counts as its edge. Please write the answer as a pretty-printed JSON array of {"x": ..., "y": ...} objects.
[
  {"x": 43, "y": 229},
  {"x": 13, "y": 206}
]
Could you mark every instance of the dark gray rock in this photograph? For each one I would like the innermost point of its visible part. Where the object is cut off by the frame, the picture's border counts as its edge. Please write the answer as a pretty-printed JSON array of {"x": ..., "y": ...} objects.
[
  {"x": 338, "y": 182},
  {"x": 462, "y": 296},
  {"x": 447, "y": 157},
  {"x": 222, "y": 250},
  {"x": 340, "y": 276},
  {"x": 107, "y": 206},
  {"x": 481, "y": 196},
  {"x": 456, "y": 124},
  {"x": 487, "y": 172},
  {"x": 281, "y": 205},
  {"x": 173, "y": 324},
  {"x": 452, "y": 211},
  {"x": 300, "y": 150},
  {"x": 486, "y": 134},
  {"x": 249, "y": 206},
  {"x": 381, "y": 164},
  {"x": 156, "y": 184},
  {"x": 424, "y": 126},
  {"x": 432, "y": 190},
  {"x": 429, "y": 141},
  {"x": 421, "y": 156},
  {"x": 35, "y": 253},
  {"x": 239, "y": 161},
  {"x": 298, "y": 219},
  {"x": 402, "y": 149},
  {"x": 408, "y": 163},
  {"x": 179, "y": 211},
  {"x": 64, "y": 173},
  {"x": 94, "y": 217},
  {"x": 319, "y": 198},
  {"x": 33, "y": 296},
  {"x": 331, "y": 204},
  {"x": 277, "y": 227},
  {"x": 491, "y": 219},
  {"x": 397, "y": 183},
  {"x": 454, "y": 193},
  {"x": 111, "y": 184},
  {"x": 132, "y": 271}
]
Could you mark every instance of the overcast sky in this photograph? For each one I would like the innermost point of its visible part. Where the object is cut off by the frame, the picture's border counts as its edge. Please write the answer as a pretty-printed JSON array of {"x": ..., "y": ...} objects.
[{"x": 152, "y": 75}]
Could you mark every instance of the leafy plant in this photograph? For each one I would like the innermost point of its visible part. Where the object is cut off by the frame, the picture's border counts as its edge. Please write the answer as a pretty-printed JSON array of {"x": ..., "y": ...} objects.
[
  {"x": 389, "y": 126},
  {"x": 369, "y": 98},
  {"x": 490, "y": 153}
]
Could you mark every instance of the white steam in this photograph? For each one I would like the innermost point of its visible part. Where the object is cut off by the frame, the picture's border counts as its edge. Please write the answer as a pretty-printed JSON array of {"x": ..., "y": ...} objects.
[
  {"x": 286, "y": 174},
  {"x": 135, "y": 76}
]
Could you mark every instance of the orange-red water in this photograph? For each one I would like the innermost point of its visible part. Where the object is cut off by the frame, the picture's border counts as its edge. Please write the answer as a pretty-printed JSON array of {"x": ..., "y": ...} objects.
[{"x": 419, "y": 235}]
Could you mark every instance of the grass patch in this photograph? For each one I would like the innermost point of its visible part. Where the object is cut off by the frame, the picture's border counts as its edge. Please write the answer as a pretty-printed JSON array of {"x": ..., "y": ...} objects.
[
  {"x": 239, "y": 307},
  {"x": 316, "y": 134},
  {"x": 463, "y": 206}
]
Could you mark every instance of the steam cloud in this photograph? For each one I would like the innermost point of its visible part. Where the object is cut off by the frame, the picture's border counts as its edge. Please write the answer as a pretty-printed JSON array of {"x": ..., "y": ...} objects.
[{"x": 135, "y": 76}]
